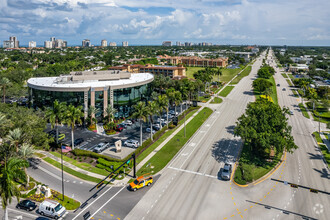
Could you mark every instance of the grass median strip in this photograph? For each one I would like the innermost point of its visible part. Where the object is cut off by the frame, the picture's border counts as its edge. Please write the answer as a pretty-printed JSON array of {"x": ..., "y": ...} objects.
[
  {"x": 243, "y": 74},
  {"x": 323, "y": 147},
  {"x": 216, "y": 100},
  {"x": 284, "y": 75},
  {"x": 303, "y": 110},
  {"x": 226, "y": 91},
  {"x": 164, "y": 155},
  {"x": 71, "y": 171}
]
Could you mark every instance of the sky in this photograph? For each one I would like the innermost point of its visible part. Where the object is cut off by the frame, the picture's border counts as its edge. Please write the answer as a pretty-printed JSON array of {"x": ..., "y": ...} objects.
[{"x": 150, "y": 22}]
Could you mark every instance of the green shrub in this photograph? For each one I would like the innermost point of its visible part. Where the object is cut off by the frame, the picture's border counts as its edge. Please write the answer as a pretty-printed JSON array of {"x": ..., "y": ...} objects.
[
  {"x": 238, "y": 176},
  {"x": 171, "y": 126}
]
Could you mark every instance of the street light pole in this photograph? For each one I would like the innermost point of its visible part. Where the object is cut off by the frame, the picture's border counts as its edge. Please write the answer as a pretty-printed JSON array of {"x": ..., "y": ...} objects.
[
  {"x": 184, "y": 119},
  {"x": 62, "y": 174}
]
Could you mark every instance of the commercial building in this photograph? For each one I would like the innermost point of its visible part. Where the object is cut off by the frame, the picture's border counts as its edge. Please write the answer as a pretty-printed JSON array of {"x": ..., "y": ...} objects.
[
  {"x": 112, "y": 44},
  {"x": 118, "y": 89},
  {"x": 125, "y": 44},
  {"x": 48, "y": 44},
  {"x": 167, "y": 43},
  {"x": 104, "y": 43},
  {"x": 170, "y": 71},
  {"x": 11, "y": 43},
  {"x": 32, "y": 44},
  {"x": 55, "y": 43},
  {"x": 195, "y": 61},
  {"x": 86, "y": 43}
]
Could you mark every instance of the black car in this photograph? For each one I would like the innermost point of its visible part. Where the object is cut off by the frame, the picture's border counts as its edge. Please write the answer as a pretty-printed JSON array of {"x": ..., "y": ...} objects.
[
  {"x": 78, "y": 141},
  {"x": 27, "y": 205}
]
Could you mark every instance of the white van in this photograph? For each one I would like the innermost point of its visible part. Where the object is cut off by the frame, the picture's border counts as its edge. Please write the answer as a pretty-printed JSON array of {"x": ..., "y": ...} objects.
[{"x": 52, "y": 209}]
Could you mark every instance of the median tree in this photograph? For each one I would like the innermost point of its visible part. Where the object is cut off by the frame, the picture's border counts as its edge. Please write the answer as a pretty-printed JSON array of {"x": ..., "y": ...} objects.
[
  {"x": 261, "y": 85},
  {"x": 264, "y": 126}
]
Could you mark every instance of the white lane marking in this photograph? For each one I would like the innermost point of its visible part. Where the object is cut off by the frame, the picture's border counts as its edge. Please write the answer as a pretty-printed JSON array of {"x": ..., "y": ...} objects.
[
  {"x": 193, "y": 172},
  {"x": 74, "y": 181},
  {"x": 106, "y": 202},
  {"x": 81, "y": 182},
  {"x": 318, "y": 208},
  {"x": 148, "y": 211},
  {"x": 92, "y": 203},
  {"x": 24, "y": 213},
  {"x": 46, "y": 171}
]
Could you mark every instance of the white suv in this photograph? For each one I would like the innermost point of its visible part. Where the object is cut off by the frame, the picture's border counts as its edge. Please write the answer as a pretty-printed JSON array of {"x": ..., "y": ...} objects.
[{"x": 131, "y": 143}]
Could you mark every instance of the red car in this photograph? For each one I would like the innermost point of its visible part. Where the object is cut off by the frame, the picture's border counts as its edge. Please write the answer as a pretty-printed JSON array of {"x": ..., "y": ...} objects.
[{"x": 119, "y": 127}]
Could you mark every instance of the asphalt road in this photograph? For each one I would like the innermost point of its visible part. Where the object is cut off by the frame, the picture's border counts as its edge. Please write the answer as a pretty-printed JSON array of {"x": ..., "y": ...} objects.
[{"x": 190, "y": 187}]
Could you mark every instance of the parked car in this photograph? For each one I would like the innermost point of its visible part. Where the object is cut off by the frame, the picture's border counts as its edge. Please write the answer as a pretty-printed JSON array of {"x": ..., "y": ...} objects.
[
  {"x": 291, "y": 112},
  {"x": 131, "y": 143},
  {"x": 226, "y": 172},
  {"x": 174, "y": 113},
  {"x": 78, "y": 141},
  {"x": 128, "y": 122},
  {"x": 101, "y": 147},
  {"x": 120, "y": 127},
  {"x": 28, "y": 205},
  {"x": 157, "y": 127},
  {"x": 284, "y": 89},
  {"x": 149, "y": 130},
  {"x": 52, "y": 209},
  {"x": 278, "y": 84}
]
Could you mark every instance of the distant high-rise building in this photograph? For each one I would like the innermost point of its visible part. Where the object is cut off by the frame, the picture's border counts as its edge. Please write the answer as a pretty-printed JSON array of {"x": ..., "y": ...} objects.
[
  {"x": 48, "y": 44},
  {"x": 52, "y": 39},
  {"x": 86, "y": 43},
  {"x": 187, "y": 44},
  {"x": 32, "y": 44},
  {"x": 59, "y": 43},
  {"x": 112, "y": 44},
  {"x": 125, "y": 44},
  {"x": 178, "y": 43},
  {"x": 104, "y": 43},
  {"x": 167, "y": 43},
  {"x": 11, "y": 43}
]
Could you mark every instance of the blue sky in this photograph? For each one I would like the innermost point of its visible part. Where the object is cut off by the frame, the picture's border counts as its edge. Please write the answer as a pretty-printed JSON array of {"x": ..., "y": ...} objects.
[{"x": 293, "y": 22}]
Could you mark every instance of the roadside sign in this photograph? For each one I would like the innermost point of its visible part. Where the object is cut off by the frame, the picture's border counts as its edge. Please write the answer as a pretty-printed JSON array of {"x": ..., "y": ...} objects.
[
  {"x": 313, "y": 190},
  {"x": 285, "y": 182},
  {"x": 294, "y": 185},
  {"x": 128, "y": 161}
]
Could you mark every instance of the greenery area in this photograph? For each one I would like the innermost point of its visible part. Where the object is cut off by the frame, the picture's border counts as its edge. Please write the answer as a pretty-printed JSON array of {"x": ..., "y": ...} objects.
[
  {"x": 243, "y": 74},
  {"x": 266, "y": 134},
  {"x": 216, "y": 100},
  {"x": 191, "y": 70},
  {"x": 71, "y": 171},
  {"x": 284, "y": 75},
  {"x": 303, "y": 110},
  {"x": 226, "y": 91},
  {"x": 267, "y": 87},
  {"x": 163, "y": 156},
  {"x": 323, "y": 147},
  {"x": 289, "y": 82}
]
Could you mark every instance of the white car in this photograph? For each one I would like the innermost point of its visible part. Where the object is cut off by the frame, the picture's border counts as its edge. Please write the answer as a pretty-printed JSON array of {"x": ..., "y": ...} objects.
[
  {"x": 131, "y": 143},
  {"x": 174, "y": 113},
  {"x": 149, "y": 130},
  {"x": 128, "y": 122},
  {"x": 101, "y": 147}
]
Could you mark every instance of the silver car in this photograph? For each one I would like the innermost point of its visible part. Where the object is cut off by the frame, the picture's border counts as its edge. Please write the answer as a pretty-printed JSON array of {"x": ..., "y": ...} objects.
[
  {"x": 226, "y": 172},
  {"x": 101, "y": 147}
]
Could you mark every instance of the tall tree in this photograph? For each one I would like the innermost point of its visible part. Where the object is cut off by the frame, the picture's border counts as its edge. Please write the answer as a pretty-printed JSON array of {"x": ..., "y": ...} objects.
[
  {"x": 73, "y": 115},
  {"x": 25, "y": 152},
  {"x": 152, "y": 109},
  {"x": 11, "y": 170},
  {"x": 55, "y": 115},
  {"x": 110, "y": 113},
  {"x": 162, "y": 103},
  {"x": 92, "y": 111},
  {"x": 4, "y": 82},
  {"x": 141, "y": 113},
  {"x": 15, "y": 137}
]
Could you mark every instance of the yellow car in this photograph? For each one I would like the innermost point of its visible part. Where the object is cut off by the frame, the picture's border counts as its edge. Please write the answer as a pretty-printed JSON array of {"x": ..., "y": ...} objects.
[{"x": 141, "y": 181}]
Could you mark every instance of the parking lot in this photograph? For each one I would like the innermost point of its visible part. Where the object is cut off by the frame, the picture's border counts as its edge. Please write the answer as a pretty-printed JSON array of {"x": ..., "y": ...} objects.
[{"x": 91, "y": 139}]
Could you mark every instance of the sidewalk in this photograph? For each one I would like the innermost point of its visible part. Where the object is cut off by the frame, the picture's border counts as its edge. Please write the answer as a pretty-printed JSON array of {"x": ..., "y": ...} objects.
[{"x": 67, "y": 164}]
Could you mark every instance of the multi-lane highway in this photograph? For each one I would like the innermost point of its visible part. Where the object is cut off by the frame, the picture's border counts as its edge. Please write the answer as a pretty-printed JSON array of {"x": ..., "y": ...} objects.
[{"x": 190, "y": 187}]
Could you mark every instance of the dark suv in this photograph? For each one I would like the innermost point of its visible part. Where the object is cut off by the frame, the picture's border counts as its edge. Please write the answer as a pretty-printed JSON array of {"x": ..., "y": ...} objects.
[{"x": 27, "y": 205}]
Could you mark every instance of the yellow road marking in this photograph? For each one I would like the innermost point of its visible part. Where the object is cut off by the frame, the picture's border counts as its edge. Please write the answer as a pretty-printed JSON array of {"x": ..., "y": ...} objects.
[
  {"x": 111, "y": 214},
  {"x": 230, "y": 187},
  {"x": 234, "y": 203},
  {"x": 260, "y": 200},
  {"x": 104, "y": 212},
  {"x": 232, "y": 198},
  {"x": 268, "y": 193},
  {"x": 224, "y": 218},
  {"x": 271, "y": 189},
  {"x": 118, "y": 218},
  {"x": 231, "y": 193},
  {"x": 239, "y": 213},
  {"x": 264, "y": 196},
  {"x": 241, "y": 216},
  {"x": 251, "y": 206},
  {"x": 245, "y": 209},
  {"x": 237, "y": 210},
  {"x": 232, "y": 215}
]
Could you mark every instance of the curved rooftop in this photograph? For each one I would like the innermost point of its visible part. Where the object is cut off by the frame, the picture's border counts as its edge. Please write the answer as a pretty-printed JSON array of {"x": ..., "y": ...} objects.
[{"x": 98, "y": 80}]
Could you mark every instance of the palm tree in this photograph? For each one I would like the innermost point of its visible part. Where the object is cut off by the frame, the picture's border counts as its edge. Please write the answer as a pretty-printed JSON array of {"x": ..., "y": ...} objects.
[
  {"x": 162, "y": 102},
  {"x": 72, "y": 116},
  {"x": 110, "y": 113},
  {"x": 92, "y": 111},
  {"x": 4, "y": 124},
  {"x": 177, "y": 99},
  {"x": 3, "y": 83},
  {"x": 15, "y": 137},
  {"x": 152, "y": 109},
  {"x": 219, "y": 73},
  {"x": 11, "y": 170},
  {"x": 55, "y": 115},
  {"x": 25, "y": 152},
  {"x": 140, "y": 113}
]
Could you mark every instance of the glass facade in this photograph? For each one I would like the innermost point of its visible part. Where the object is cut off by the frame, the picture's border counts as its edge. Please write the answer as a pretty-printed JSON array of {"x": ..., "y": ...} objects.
[{"x": 123, "y": 99}]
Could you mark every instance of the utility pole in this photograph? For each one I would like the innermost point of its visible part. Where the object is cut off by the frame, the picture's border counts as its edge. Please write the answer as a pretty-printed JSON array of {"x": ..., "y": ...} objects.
[
  {"x": 62, "y": 174},
  {"x": 184, "y": 121}
]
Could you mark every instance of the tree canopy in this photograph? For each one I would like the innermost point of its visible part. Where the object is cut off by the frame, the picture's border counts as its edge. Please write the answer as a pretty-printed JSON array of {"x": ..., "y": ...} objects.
[{"x": 261, "y": 85}]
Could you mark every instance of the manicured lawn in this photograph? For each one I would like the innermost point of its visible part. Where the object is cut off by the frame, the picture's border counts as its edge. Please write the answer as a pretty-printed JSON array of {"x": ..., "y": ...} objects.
[
  {"x": 289, "y": 82},
  {"x": 203, "y": 98},
  {"x": 191, "y": 70},
  {"x": 284, "y": 75},
  {"x": 303, "y": 110},
  {"x": 251, "y": 168},
  {"x": 84, "y": 166},
  {"x": 325, "y": 153},
  {"x": 227, "y": 74},
  {"x": 163, "y": 156},
  {"x": 243, "y": 74},
  {"x": 317, "y": 137},
  {"x": 226, "y": 91},
  {"x": 291, "y": 76},
  {"x": 216, "y": 100},
  {"x": 71, "y": 171},
  {"x": 162, "y": 138}
]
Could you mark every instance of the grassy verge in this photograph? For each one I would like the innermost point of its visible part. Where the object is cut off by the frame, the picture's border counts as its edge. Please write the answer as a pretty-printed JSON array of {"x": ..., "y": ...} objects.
[
  {"x": 162, "y": 138},
  {"x": 227, "y": 74},
  {"x": 289, "y": 82},
  {"x": 303, "y": 110},
  {"x": 243, "y": 74},
  {"x": 163, "y": 156},
  {"x": 39, "y": 155},
  {"x": 317, "y": 137},
  {"x": 324, "y": 149},
  {"x": 71, "y": 171},
  {"x": 291, "y": 76},
  {"x": 216, "y": 100},
  {"x": 191, "y": 70},
  {"x": 203, "y": 99},
  {"x": 226, "y": 91},
  {"x": 295, "y": 92},
  {"x": 284, "y": 75},
  {"x": 251, "y": 168},
  {"x": 84, "y": 166}
]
